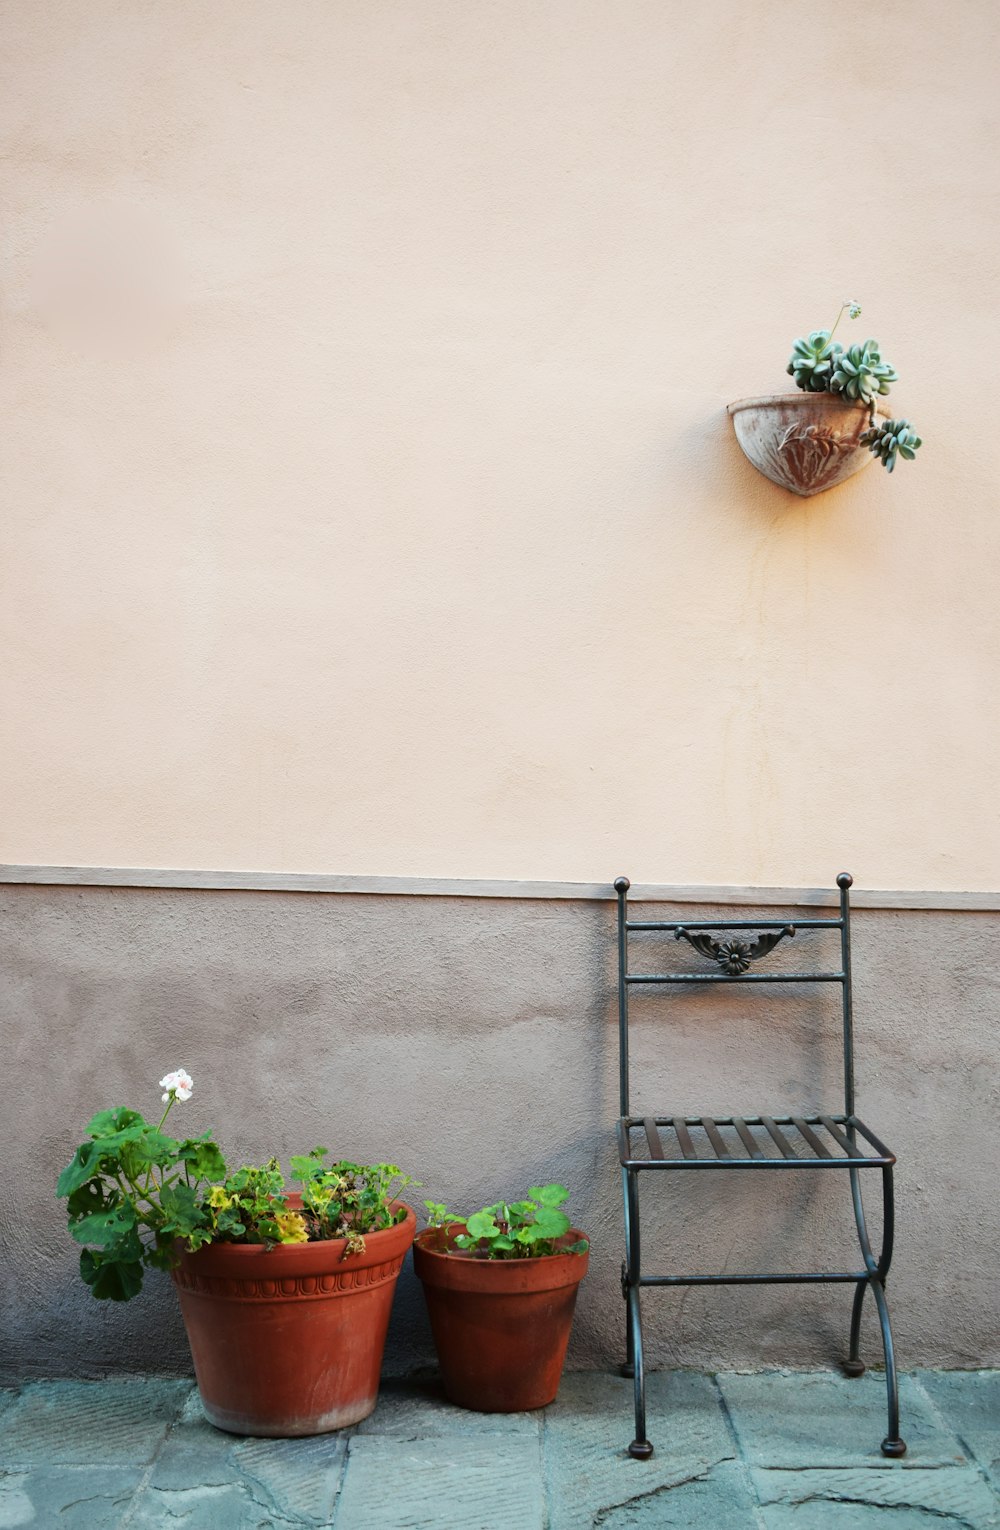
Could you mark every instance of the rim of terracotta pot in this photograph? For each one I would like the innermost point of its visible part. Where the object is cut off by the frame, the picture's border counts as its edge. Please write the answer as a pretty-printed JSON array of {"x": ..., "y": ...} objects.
[
  {"x": 249, "y": 1260},
  {"x": 814, "y": 400},
  {"x": 460, "y": 1269}
]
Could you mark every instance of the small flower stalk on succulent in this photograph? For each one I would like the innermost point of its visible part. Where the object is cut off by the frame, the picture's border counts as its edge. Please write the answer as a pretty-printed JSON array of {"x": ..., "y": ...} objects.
[{"x": 821, "y": 364}]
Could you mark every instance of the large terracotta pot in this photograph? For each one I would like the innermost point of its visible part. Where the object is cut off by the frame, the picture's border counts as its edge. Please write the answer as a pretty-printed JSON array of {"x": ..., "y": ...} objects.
[
  {"x": 289, "y": 1340},
  {"x": 805, "y": 442},
  {"x": 500, "y": 1326}
]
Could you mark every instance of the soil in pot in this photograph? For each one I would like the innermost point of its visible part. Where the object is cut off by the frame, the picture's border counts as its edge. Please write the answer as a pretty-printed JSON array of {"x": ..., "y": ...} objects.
[
  {"x": 289, "y": 1340},
  {"x": 501, "y": 1326}
]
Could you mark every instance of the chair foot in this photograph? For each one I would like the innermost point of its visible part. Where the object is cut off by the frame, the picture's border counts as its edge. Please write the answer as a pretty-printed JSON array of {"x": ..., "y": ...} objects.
[
  {"x": 641, "y": 1450},
  {"x": 893, "y": 1448},
  {"x": 628, "y": 1369},
  {"x": 853, "y": 1367}
]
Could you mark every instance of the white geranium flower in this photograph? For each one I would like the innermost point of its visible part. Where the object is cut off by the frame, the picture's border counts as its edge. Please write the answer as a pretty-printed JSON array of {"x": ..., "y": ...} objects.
[{"x": 178, "y": 1086}]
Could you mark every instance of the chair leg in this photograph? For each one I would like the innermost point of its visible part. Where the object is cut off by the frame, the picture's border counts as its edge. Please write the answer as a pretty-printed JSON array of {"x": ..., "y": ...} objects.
[
  {"x": 854, "y": 1365},
  {"x": 628, "y": 1368},
  {"x": 892, "y": 1446},
  {"x": 640, "y": 1448}
]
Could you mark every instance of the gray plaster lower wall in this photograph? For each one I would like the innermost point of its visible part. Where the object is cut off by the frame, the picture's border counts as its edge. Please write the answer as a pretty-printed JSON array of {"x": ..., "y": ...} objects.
[{"x": 473, "y": 1041}]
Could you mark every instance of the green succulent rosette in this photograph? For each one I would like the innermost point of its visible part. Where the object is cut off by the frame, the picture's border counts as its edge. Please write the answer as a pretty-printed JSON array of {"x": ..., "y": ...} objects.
[
  {"x": 889, "y": 439},
  {"x": 813, "y": 361},
  {"x": 860, "y": 373}
]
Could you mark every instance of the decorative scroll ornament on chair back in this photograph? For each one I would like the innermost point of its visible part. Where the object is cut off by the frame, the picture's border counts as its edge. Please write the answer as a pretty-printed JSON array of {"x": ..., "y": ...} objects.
[{"x": 734, "y": 956}]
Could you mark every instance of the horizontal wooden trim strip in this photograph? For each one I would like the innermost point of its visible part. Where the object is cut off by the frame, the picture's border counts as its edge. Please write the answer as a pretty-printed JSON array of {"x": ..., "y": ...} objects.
[{"x": 472, "y": 887}]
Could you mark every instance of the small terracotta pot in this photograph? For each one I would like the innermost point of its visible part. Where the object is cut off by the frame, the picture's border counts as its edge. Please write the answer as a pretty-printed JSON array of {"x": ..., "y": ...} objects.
[
  {"x": 501, "y": 1326},
  {"x": 805, "y": 442},
  {"x": 289, "y": 1340}
]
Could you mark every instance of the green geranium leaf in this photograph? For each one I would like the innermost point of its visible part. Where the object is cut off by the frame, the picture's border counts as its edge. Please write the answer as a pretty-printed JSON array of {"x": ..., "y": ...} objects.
[
  {"x": 93, "y": 1196},
  {"x": 151, "y": 1147},
  {"x": 181, "y": 1211},
  {"x": 481, "y": 1225},
  {"x": 203, "y": 1157},
  {"x": 111, "y": 1279},
  {"x": 108, "y": 1123},
  {"x": 81, "y": 1168},
  {"x": 549, "y": 1195},
  {"x": 105, "y": 1228},
  {"x": 198, "y": 1238},
  {"x": 551, "y": 1223},
  {"x": 230, "y": 1225}
]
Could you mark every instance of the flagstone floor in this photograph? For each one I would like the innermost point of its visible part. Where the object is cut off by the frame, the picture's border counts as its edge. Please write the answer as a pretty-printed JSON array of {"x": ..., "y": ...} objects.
[{"x": 767, "y": 1451}]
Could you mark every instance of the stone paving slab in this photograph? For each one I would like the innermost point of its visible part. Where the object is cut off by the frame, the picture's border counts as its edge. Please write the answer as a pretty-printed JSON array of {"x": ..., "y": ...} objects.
[
  {"x": 292, "y": 1481},
  {"x": 852, "y": 1516},
  {"x": 89, "y": 1423},
  {"x": 412, "y": 1409},
  {"x": 721, "y": 1499},
  {"x": 815, "y": 1496},
  {"x": 736, "y": 1452},
  {"x": 70, "y": 1497},
  {"x": 479, "y": 1482},
  {"x": 588, "y": 1429},
  {"x": 202, "y": 1508},
  {"x": 824, "y": 1419},
  {"x": 970, "y": 1401}
]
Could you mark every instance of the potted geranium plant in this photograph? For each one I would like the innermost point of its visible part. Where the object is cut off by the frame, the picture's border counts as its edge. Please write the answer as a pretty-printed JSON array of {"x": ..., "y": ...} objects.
[
  {"x": 501, "y": 1287},
  {"x": 811, "y": 440},
  {"x": 285, "y": 1295}
]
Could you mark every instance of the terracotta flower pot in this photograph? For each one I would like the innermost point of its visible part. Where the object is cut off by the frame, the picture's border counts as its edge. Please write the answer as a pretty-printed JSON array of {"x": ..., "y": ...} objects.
[
  {"x": 500, "y": 1326},
  {"x": 805, "y": 442},
  {"x": 289, "y": 1340}
]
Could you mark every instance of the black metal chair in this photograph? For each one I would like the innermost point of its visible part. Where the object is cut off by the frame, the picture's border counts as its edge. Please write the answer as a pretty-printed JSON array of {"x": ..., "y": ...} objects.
[{"x": 780, "y": 1142}]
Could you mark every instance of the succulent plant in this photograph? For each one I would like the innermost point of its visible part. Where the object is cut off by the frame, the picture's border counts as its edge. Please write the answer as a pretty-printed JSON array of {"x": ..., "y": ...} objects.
[
  {"x": 813, "y": 360},
  {"x": 887, "y": 438},
  {"x": 861, "y": 373},
  {"x": 820, "y": 364}
]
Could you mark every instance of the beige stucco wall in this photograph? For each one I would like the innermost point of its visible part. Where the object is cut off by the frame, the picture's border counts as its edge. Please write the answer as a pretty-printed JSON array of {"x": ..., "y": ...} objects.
[{"x": 369, "y": 502}]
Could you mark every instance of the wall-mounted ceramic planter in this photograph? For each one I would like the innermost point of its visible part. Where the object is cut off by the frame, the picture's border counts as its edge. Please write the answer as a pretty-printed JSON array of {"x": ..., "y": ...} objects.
[{"x": 805, "y": 442}]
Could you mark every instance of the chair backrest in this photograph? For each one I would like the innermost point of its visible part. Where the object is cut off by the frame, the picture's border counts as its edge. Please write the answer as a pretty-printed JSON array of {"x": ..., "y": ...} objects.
[{"x": 733, "y": 958}]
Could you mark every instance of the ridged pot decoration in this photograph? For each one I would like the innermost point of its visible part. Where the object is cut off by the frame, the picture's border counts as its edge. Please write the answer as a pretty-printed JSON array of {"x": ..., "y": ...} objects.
[
  {"x": 804, "y": 442},
  {"x": 289, "y": 1340},
  {"x": 500, "y": 1327}
]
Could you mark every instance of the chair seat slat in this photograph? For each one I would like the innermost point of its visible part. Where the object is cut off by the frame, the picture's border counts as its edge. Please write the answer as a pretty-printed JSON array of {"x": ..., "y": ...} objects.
[
  {"x": 780, "y": 1139},
  {"x": 747, "y": 1137},
  {"x": 715, "y": 1138},
  {"x": 652, "y": 1137},
  {"x": 841, "y": 1139},
  {"x": 684, "y": 1138},
  {"x": 805, "y": 1130}
]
